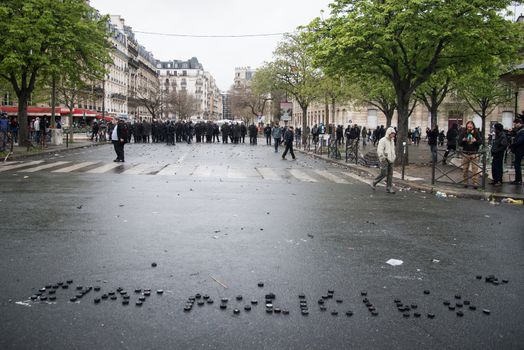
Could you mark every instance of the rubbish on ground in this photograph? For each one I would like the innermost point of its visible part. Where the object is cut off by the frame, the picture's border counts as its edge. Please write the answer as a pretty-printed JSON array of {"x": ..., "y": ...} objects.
[
  {"x": 217, "y": 281},
  {"x": 441, "y": 194},
  {"x": 394, "y": 262},
  {"x": 512, "y": 201},
  {"x": 435, "y": 260}
]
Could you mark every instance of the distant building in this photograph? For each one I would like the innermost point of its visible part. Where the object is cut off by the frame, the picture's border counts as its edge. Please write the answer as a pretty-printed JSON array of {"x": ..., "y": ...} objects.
[
  {"x": 226, "y": 102},
  {"x": 190, "y": 76},
  {"x": 243, "y": 76}
]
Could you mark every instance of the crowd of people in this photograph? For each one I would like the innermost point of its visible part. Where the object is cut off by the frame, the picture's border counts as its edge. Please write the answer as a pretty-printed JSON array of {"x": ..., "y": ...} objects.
[{"x": 467, "y": 139}]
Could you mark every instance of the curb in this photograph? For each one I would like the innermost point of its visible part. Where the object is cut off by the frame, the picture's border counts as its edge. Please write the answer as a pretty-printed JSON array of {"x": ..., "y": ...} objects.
[
  {"x": 57, "y": 150},
  {"x": 429, "y": 188}
]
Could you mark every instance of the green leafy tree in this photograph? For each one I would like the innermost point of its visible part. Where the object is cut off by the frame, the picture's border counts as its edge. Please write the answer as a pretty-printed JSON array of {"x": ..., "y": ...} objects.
[
  {"x": 483, "y": 90},
  {"x": 334, "y": 89},
  {"x": 265, "y": 86},
  {"x": 47, "y": 37},
  {"x": 406, "y": 42},
  {"x": 433, "y": 92},
  {"x": 294, "y": 73},
  {"x": 378, "y": 92}
]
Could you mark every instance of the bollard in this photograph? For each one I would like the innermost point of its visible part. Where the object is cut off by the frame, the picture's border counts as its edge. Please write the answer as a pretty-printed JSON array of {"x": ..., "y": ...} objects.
[
  {"x": 403, "y": 159},
  {"x": 67, "y": 140}
]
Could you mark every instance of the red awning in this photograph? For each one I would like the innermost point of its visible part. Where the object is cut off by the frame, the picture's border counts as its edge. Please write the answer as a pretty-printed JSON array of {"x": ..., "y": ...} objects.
[
  {"x": 106, "y": 118},
  {"x": 46, "y": 111},
  {"x": 79, "y": 112},
  {"x": 31, "y": 111}
]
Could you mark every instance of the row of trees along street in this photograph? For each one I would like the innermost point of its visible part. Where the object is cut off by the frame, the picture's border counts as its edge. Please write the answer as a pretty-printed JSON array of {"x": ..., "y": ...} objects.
[
  {"x": 395, "y": 54},
  {"x": 58, "y": 52},
  {"x": 50, "y": 45}
]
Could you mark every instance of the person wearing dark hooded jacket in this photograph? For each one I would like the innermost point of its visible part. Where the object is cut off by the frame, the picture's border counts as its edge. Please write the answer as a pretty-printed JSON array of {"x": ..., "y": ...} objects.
[
  {"x": 451, "y": 136},
  {"x": 289, "y": 136},
  {"x": 498, "y": 149}
]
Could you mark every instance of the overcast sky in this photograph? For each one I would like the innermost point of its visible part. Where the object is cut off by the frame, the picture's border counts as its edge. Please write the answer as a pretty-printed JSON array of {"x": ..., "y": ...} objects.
[{"x": 219, "y": 56}]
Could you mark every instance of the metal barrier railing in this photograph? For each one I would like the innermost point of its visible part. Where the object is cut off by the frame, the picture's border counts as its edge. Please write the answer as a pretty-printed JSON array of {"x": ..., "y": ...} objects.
[
  {"x": 333, "y": 151},
  {"x": 352, "y": 150},
  {"x": 455, "y": 168}
]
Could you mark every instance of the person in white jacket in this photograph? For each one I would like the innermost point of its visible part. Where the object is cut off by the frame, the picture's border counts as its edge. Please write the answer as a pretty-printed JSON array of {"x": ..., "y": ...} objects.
[{"x": 386, "y": 156}]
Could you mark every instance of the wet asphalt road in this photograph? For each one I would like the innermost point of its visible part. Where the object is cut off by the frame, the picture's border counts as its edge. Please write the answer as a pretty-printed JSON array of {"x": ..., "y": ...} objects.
[{"x": 216, "y": 216}]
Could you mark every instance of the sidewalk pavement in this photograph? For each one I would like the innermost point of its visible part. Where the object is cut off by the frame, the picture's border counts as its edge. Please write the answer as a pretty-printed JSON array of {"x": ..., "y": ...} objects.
[
  {"x": 21, "y": 152},
  {"x": 418, "y": 176}
]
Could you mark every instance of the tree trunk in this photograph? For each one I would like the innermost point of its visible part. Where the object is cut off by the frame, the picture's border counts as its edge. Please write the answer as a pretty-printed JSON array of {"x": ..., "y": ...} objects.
[
  {"x": 304, "y": 123},
  {"x": 434, "y": 115},
  {"x": 402, "y": 127},
  {"x": 23, "y": 130},
  {"x": 389, "y": 118},
  {"x": 326, "y": 113},
  {"x": 333, "y": 113},
  {"x": 53, "y": 102},
  {"x": 483, "y": 130}
]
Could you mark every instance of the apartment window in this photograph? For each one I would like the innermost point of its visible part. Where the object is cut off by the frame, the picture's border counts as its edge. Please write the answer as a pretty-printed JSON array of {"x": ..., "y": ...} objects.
[{"x": 184, "y": 73}]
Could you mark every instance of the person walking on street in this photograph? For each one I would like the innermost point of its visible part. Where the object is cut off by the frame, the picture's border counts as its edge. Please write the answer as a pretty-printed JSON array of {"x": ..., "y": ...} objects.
[
  {"x": 364, "y": 136},
  {"x": 517, "y": 147},
  {"x": 386, "y": 156},
  {"x": 119, "y": 137},
  {"x": 4, "y": 128},
  {"x": 451, "y": 137},
  {"x": 276, "y": 132},
  {"x": 94, "y": 131},
  {"x": 267, "y": 133},
  {"x": 470, "y": 141},
  {"x": 498, "y": 149},
  {"x": 289, "y": 137},
  {"x": 433, "y": 135}
]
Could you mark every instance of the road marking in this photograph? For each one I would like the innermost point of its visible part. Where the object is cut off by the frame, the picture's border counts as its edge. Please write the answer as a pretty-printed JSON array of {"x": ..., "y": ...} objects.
[
  {"x": 181, "y": 159},
  {"x": 11, "y": 167},
  {"x": 169, "y": 170},
  {"x": 104, "y": 168},
  {"x": 8, "y": 163},
  {"x": 359, "y": 178},
  {"x": 235, "y": 174},
  {"x": 202, "y": 171},
  {"x": 45, "y": 166},
  {"x": 138, "y": 169},
  {"x": 268, "y": 174},
  {"x": 331, "y": 177},
  {"x": 74, "y": 167},
  {"x": 301, "y": 176}
]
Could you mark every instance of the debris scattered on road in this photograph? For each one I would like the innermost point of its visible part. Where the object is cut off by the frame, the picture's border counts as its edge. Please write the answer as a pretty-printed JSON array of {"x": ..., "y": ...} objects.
[
  {"x": 441, "y": 195},
  {"x": 394, "y": 262},
  {"x": 512, "y": 201},
  {"x": 23, "y": 303},
  {"x": 435, "y": 261},
  {"x": 217, "y": 281}
]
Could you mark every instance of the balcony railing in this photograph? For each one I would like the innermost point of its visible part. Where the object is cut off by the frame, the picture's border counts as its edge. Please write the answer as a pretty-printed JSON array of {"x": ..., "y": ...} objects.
[{"x": 119, "y": 97}]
